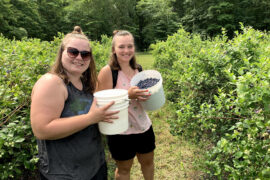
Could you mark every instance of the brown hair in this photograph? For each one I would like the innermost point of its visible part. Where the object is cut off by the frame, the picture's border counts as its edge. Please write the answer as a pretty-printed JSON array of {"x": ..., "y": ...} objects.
[
  {"x": 113, "y": 63},
  {"x": 89, "y": 77}
]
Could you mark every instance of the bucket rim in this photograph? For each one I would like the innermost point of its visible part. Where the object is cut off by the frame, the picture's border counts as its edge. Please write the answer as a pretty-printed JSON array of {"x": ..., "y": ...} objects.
[
  {"x": 112, "y": 99},
  {"x": 115, "y": 102},
  {"x": 110, "y": 93},
  {"x": 144, "y": 75}
]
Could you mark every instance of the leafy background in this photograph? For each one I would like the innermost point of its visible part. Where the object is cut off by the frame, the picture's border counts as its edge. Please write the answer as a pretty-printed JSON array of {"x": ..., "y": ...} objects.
[
  {"x": 215, "y": 70},
  {"x": 148, "y": 20},
  {"x": 220, "y": 89}
]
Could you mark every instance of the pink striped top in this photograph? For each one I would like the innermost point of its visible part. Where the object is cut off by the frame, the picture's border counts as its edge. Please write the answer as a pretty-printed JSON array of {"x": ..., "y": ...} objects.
[{"x": 139, "y": 121}]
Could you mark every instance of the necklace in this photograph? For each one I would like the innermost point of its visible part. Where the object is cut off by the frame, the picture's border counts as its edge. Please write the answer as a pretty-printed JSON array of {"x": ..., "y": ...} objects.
[{"x": 129, "y": 74}]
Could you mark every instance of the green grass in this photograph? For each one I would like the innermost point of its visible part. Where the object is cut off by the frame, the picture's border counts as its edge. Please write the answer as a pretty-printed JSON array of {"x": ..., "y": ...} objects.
[
  {"x": 174, "y": 156},
  {"x": 145, "y": 59}
]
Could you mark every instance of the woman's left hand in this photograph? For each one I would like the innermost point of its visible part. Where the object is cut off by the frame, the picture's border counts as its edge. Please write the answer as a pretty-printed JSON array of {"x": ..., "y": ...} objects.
[{"x": 140, "y": 94}]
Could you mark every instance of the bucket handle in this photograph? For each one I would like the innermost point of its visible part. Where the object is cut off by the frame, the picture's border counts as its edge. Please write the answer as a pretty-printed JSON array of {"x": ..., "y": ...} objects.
[
  {"x": 128, "y": 100},
  {"x": 122, "y": 100}
]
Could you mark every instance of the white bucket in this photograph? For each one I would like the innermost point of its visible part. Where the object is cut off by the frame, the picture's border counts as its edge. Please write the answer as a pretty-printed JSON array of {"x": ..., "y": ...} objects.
[
  {"x": 157, "y": 98},
  {"x": 120, "y": 96}
]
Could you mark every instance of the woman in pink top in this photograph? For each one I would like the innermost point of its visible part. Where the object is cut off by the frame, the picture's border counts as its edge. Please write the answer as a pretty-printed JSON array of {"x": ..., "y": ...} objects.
[{"x": 139, "y": 139}]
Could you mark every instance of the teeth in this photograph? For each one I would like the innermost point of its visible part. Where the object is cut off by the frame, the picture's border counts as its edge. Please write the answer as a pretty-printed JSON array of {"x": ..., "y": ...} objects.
[{"x": 79, "y": 64}]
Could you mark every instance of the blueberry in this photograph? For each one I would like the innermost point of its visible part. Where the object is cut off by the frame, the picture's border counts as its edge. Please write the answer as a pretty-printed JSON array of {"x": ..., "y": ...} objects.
[{"x": 149, "y": 82}]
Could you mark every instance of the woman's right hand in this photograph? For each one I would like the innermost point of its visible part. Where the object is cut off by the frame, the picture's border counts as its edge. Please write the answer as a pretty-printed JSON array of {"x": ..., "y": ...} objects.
[{"x": 102, "y": 113}]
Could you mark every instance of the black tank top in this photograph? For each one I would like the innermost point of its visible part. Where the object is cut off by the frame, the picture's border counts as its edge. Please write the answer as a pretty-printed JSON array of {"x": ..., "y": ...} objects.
[{"x": 78, "y": 156}]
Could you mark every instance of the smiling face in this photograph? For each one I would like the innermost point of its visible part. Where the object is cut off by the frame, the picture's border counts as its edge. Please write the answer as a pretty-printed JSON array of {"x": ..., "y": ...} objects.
[
  {"x": 124, "y": 48},
  {"x": 75, "y": 65}
]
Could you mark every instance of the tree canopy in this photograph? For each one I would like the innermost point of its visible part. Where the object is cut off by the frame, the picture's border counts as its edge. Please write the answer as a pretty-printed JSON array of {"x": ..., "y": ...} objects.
[{"x": 148, "y": 20}]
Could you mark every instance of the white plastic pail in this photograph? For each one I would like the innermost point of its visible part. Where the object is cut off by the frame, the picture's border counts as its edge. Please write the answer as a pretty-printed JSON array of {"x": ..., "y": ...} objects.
[
  {"x": 120, "y": 96},
  {"x": 157, "y": 98}
]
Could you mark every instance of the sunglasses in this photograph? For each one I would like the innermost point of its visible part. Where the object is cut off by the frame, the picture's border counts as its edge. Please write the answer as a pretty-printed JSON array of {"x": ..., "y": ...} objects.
[{"x": 73, "y": 53}]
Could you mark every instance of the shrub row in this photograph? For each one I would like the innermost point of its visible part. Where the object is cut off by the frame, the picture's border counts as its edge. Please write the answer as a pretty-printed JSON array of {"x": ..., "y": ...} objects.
[{"x": 220, "y": 88}]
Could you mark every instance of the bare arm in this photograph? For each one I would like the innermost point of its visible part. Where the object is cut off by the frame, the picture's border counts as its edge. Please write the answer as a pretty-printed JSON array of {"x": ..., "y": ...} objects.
[
  {"x": 48, "y": 98},
  {"x": 105, "y": 80}
]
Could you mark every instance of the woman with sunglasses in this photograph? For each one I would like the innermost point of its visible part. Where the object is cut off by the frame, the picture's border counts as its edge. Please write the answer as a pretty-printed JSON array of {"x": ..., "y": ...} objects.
[
  {"x": 139, "y": 139},
  {"x": 64, "y": 115}
]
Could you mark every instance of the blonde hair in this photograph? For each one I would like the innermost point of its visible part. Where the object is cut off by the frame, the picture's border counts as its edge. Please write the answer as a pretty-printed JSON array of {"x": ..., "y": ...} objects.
[{"x": 89, "y": 77}]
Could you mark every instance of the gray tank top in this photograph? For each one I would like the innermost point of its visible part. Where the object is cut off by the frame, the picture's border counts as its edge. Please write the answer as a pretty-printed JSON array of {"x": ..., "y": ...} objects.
[{"x": 78, "y": 156}]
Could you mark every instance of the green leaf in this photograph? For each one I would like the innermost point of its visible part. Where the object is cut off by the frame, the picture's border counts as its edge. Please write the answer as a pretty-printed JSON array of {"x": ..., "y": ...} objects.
[
  {"x": 238, "y": 154},
  {"x": 266, "y": 173},
  {"x": 19, "y": 140}
]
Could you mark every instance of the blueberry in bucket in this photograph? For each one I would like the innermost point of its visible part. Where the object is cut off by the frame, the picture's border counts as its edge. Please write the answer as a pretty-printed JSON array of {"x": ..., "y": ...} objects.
[{"x": 149, "y": 82}]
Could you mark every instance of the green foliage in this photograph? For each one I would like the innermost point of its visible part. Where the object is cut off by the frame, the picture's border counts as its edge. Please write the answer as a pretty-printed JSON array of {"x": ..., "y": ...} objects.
[
  {"x": 220, "y": 89},
  {"x": 208, "y": 17},
  {"x": 93, "y": 16},
  {"x": 101, "y": 51},
  {"x": 21, "y": 64},
  {"x": 52, "y": 18},
  {"x": 147, "y": 20},
  {"x": 19, "y": 33},
  {"x": 19, "y": 19},
  {"x": 124, "y": 16},
  {"x": 102, "y": 17},
  {"x": 159, "y": 19}
]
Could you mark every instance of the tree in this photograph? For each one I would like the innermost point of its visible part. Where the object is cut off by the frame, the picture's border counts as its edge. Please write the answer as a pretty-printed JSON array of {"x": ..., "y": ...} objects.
[
  {"x": 195, "y": 16},
  {"x": 221, "y": 16},
  {"x": 6, "y": 16},
  {"x": 158, "y": 18},
  {"x": 27, "y": 16},
  {"x": 52, "y": 17},
  {"x": 93, "y": 16},
  {"x": 124, "y": 16},
  {"x": 178, "y": 7},
  {"x": 254, "y": 13},
  {"x": 209, "y": 16},
  {"x": 19, "y": 19},
  {"x": 147, "y": 20}
]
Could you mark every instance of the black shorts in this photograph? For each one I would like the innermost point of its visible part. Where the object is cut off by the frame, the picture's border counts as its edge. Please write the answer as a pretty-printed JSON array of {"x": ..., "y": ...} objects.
[{"x": 125, "y": 147}]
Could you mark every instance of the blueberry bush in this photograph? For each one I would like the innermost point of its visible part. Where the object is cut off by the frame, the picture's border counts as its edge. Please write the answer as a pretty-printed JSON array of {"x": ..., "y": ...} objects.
[
  {"x": 21, "y": 64},
  {"x": 220, "y": 88}
]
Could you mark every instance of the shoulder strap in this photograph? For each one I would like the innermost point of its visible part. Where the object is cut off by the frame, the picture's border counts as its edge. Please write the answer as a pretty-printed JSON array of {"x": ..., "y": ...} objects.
[
  {"x": 140, "y": 68},
  {"x": 115, "y": 74}
]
